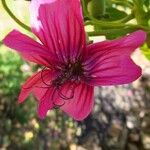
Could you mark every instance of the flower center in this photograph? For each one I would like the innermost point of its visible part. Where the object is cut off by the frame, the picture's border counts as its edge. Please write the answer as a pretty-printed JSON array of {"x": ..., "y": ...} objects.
[{"x": 69, "y": 72}]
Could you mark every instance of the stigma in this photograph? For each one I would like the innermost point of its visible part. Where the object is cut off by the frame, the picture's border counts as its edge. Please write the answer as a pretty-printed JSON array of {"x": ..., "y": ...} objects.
[{"x": 68, "y": 72}]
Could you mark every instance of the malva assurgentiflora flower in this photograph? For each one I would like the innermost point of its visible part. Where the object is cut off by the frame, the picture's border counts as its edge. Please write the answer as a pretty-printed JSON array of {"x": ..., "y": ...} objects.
[{"x": 71, "y": 66}]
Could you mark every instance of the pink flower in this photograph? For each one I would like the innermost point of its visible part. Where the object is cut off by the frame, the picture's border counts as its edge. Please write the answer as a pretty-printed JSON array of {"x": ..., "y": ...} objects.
[{"x": 72, "y": 68}]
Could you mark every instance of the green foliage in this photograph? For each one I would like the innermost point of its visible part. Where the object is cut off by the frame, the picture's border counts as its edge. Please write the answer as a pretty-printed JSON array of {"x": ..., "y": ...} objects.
[
  {"x": 115, "y": 33},
  {"x": 147, "y": 2},
  {"x": 146, "y": 51},
  {"x": 115, "y": 14},
  {"x": 20, "y": 128},
  {"x": 115, "y": 18},
  {"x": 96, "y": 8},
  {"x": 10, "y": 69}
]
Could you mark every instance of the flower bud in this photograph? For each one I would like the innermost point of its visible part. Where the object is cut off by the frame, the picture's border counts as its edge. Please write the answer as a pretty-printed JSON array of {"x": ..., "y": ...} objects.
[{"x": 96, "y": 8}]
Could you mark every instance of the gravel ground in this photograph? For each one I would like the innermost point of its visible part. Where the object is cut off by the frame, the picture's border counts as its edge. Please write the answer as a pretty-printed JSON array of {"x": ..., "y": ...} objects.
[{"x": 121, "y": 117}]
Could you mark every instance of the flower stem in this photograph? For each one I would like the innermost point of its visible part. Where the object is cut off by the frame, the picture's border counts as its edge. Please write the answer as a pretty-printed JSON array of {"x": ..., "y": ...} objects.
[
  {"x": 111, "y": 31},
  {"x": 126, "y": 19},
  {"x": 140, "y": 13},
  {"x": 124, "y": 30},
  {"x": 14, "y": 17}
]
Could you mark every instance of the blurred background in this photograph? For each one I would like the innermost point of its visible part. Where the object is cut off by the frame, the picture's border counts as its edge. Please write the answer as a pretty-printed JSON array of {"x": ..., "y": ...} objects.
[{"x": 121, "y": 116}]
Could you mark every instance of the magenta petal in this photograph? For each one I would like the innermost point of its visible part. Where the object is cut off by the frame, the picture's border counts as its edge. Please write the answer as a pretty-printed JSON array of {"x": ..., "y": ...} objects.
[
  {"x": 109, "y": 62},
  {"x": 59, "y": 25},
  {"x": 78, "y": 107},
  {"x": 46, "y": 101},
  {"x": 126, "y": 44},
  {"x": 27, "y": 47},
  {"x": 34, "y": 81},
  {"x": 115, "y": 72},
  {"x": 77, "y": 103},
  {"x": 81, "y": 104}
]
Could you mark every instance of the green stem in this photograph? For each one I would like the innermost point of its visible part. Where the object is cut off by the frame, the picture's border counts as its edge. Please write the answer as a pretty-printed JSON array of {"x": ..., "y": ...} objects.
[
  {"x": 14, "y": 17},
  {"x": 111, "y": 31},
  {"x": 126, "y": 29},
  {"x": 138, "y": 2},
  {"x": 125, "y": 19},
  {"x": 104, "y": 24},
  {"x": 139, "y": 12},
  {"x": 94, "y": 21},
  {"x": 138, "y": 26},
  {"x": 84, "y": 8}
]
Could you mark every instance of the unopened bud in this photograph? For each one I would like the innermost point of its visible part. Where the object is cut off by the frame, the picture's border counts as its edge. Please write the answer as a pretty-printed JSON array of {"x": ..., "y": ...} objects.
[{"x": 96, "y": 8}]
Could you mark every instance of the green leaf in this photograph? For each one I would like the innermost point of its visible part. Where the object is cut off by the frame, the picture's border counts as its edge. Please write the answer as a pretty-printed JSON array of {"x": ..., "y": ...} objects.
[
  {"x": 147, "y": 2},
  {"x": 146, "y": 51},
  {"x": 115, "y": 33},
  {"x": 114, "y": 14}
]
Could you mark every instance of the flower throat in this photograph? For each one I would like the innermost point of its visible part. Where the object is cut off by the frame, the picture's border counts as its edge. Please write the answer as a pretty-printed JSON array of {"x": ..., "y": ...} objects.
[{"x": 69, "y": 72}]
